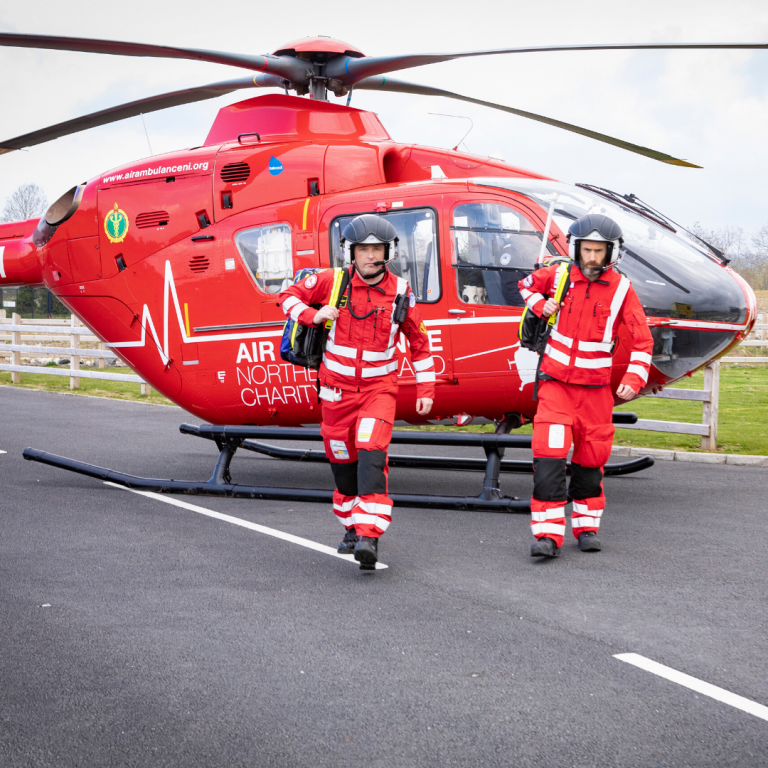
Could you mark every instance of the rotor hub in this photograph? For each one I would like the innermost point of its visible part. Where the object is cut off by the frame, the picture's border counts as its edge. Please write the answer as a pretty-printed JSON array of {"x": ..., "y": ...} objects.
[{"x": 318, "y": 49}]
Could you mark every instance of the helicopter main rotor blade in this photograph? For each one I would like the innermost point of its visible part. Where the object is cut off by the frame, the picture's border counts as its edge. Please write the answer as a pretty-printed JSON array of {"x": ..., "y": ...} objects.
[
  {"x": 288, "y": 67},
  {"x": 140, "y": 107},
  {"x": 350, "y": 70},
  {"x": 399, "y": 86}
]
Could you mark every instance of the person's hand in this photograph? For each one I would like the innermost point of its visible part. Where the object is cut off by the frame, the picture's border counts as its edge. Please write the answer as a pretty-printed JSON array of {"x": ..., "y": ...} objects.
[
  {"x": 326, "y": 313},
  {"x": 550, "y": 308},
  {"x": 625, "y": 392},
  {"x": 424, "y": 405}
]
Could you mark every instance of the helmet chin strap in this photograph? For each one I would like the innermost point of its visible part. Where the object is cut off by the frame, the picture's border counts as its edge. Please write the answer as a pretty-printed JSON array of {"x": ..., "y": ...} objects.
[{"x": 375, "y": 274}]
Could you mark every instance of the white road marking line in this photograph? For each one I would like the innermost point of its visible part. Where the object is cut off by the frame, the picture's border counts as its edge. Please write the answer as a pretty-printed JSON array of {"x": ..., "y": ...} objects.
[
  {"x": 3, "y": 451},
  {"x": 707, "y": 689},
  {"x": 245, "y": 524}
]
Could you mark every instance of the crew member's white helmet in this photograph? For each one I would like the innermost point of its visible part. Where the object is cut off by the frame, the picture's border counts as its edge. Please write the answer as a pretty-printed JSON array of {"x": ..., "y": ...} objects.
[
  {"x": 599, "y": 228},
  {"x": 369, "y": 228}
]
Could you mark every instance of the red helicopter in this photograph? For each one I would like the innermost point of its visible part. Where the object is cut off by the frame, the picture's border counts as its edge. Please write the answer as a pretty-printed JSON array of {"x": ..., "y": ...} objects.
[{"x": 175, "y": 261}]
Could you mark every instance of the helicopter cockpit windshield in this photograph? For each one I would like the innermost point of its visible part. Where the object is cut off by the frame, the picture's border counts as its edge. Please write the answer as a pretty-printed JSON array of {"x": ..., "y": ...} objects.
[{"x": 674, "y": 277}]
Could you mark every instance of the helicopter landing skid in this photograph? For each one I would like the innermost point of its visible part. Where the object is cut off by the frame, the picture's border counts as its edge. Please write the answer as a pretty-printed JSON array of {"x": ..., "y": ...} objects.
[{"x": 230, "y": 438}]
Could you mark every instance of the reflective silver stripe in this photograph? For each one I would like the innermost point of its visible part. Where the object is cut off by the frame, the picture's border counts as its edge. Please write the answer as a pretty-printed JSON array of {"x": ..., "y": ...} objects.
[
  {"x": 337, "y": 349},
  {"x": 347, "y": 506},
  {"x": 331, "y": 395},
  {"x": 525, "y": 293},
  {"x": 422, "y": 365},
  {"x": 616, "y": 302},
  {"x": 533, "y": 300},
  {"x": 547, "y": 528},
  {"x": 548, "y": 514},
  {"x": 332, "y": 365},
  {"x": 377, "y": 357},
  {"x": 369, "y": 373},
  {"x": 595, "y": 346},
  {"x": 585, "y": 522},
  {"x": 642, "y": 357},
  {"x": 290, "y": 302},
  {"x": 297, "y": 310},
  {"x": 375, "y": 508},
  {"x": 358, "y": 518},
  {"x": 425, "y": 378},
  {"x": 602, "y": 362},
  {"x": 639, "y": 370},
  {"x": 562, "y": 339},
  {"x": 555, "y": 354},
  {"x": 583, "y": 509}
]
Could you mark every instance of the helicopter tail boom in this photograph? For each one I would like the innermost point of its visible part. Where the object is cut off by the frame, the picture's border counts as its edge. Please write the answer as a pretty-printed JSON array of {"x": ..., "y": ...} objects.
[{"x": 19, "y": 262}]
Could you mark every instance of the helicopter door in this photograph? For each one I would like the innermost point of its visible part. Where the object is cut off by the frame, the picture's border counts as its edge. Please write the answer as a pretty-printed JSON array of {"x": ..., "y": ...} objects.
[
  {"x": 494, "y": 243},
  {"x": 418, "y": 262}
]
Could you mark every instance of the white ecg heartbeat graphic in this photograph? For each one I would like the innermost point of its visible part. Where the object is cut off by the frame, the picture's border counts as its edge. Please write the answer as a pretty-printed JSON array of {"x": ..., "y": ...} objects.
[{"x": 146, "y": 321}]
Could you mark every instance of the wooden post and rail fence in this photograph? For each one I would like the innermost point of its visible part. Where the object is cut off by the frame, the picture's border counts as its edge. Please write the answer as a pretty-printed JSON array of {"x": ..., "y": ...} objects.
[
  {"x": 37, "y": 331},
  {"x": 65, "y": 338}
]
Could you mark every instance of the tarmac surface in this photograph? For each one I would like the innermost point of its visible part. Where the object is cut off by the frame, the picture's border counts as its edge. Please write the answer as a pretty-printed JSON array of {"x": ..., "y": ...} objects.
[{"x": 135, "y": 632}]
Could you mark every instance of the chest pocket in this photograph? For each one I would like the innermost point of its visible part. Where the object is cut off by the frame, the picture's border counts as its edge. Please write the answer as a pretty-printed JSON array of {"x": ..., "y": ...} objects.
[
  {"x": 379, "y": 326},
  {"x": 600, "y": 314}
]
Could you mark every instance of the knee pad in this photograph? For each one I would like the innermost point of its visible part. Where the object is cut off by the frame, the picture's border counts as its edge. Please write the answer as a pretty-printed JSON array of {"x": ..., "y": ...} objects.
[
  {"x": 549, "y": 479},
  {"x": 345, "y": 476},
  {"x": 586, "y": 482},
  {"x": 370, "y": 474}
]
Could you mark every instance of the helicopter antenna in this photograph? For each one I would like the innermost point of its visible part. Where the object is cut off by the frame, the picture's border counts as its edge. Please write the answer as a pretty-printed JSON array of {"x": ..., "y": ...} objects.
[
  {"x": 458, "y": 117},
  {"x": 146, "y": 133}
]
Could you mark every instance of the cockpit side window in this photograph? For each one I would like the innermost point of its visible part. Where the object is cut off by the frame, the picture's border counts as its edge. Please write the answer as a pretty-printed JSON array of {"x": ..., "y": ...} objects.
[
  {"x": 267, "y": 253},
  {"x": 494, "y": 247},
  {"x": 418, "y": 259}
]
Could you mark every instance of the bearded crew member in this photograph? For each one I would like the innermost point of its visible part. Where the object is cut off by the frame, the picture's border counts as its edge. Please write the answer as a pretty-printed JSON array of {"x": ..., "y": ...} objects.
[
  {"x": 575, "y": 397},
  {"x": 358, "y": 376}
]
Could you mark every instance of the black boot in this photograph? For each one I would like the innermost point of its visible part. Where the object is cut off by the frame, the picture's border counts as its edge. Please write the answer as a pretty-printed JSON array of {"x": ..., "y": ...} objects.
[
  {"x": 588, "y": 542},
  {"x": 367, "y": 552},
  {"x": 544, "y": 547},
  {"x": 347, "y": 544}
]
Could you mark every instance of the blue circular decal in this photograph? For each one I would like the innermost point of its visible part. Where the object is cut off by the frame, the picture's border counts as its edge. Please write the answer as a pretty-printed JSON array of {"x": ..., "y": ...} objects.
[{"x": 275, "y": 166}]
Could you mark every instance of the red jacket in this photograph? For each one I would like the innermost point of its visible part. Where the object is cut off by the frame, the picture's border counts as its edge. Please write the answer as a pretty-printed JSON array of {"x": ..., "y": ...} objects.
[
  {"x": 582, "y": 340},
  {"x": 362, "y": 354}
]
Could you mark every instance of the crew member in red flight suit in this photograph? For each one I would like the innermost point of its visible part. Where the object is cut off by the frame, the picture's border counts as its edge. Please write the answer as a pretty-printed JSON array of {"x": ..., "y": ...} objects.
[
  {"x": 575, "y": 398},
  {"x": 358, "y": 376}
]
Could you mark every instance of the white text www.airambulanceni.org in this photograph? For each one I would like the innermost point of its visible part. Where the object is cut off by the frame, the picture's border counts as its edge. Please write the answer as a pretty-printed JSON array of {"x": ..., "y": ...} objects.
[
  {"x": 267, "y": 381},
  {"x": 159, "y": 170}
]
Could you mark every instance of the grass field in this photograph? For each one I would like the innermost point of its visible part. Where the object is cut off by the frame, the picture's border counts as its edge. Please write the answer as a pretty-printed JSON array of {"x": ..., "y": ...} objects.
[{"x": 742, "y": 428}]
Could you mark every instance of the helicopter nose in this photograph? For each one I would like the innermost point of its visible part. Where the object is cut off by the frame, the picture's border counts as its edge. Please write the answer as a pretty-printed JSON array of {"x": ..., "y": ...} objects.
[{"x": 695, "y": 305}]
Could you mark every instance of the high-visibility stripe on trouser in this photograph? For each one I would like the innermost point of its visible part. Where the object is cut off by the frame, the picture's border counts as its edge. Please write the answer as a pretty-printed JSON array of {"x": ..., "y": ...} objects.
[
  {"x": 548, "y": 520},
  {"x": 342, "y": 507},
  {"x": 371, "y": 514},
  {"x": 586, "y": 515}
]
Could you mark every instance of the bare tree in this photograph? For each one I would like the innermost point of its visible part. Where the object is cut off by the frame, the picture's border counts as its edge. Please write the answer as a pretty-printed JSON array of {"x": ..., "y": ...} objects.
[
  {"x": 729, "y": 240},
  {"x": 760, "y": 241},
  {"x": 27, "y": 202}
]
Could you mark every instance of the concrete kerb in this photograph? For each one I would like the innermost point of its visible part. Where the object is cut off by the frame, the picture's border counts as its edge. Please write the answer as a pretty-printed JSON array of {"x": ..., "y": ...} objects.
[{"x": 690, "y": 456}]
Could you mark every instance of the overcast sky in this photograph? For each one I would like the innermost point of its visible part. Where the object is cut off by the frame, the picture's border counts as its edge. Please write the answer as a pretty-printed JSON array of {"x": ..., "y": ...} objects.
[{"x": 708, "y": 107}]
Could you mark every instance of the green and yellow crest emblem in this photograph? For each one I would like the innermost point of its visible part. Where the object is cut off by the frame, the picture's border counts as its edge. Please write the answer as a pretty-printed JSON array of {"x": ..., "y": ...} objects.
[{"x": 116, "y": 225}]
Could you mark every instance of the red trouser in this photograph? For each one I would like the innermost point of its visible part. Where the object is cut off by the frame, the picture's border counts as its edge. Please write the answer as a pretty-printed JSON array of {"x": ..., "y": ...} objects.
[
  {"x": 356, "y": 433},
  {"x": 569, "y": 412}
]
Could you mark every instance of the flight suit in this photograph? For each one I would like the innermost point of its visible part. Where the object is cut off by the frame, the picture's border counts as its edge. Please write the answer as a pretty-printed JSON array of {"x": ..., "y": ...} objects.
[
  {"x": 575, "y": 397},
  {"x": 358, "y": 387}
]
